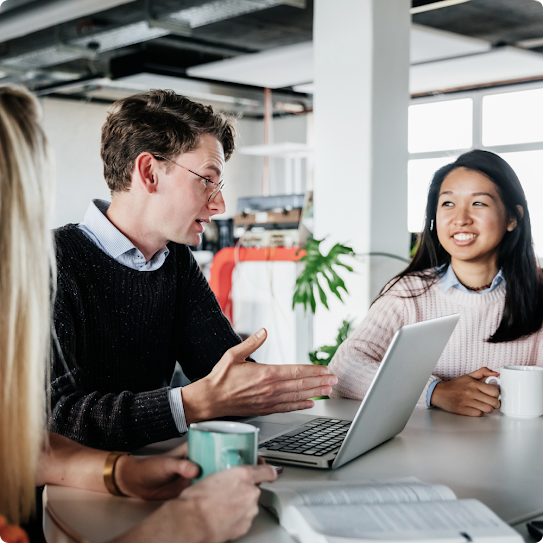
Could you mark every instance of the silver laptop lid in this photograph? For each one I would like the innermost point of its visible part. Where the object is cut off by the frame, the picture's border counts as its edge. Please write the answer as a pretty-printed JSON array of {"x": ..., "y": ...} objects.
[{"x": 402, "y": 375}]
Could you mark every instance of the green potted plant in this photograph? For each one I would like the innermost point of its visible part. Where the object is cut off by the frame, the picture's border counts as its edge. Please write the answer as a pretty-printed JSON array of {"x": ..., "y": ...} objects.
[{"x": 319, "y": 273}]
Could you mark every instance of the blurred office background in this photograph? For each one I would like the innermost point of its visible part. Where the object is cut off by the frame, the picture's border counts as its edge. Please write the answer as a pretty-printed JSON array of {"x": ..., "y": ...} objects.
[{"x": 354, "y": 103}]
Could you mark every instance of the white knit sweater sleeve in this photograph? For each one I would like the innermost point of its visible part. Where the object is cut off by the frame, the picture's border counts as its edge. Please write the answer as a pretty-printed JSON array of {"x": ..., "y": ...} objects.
[{"x": 357, "y": 359}]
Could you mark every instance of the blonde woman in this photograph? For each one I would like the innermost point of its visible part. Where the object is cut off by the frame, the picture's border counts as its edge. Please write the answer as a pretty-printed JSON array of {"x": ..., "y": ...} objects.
[{"x": 219, "y": 508}]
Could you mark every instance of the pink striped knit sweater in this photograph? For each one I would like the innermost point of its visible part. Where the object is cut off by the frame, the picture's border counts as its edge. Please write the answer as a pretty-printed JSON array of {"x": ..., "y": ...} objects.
[{"x": 358, "y": 358}]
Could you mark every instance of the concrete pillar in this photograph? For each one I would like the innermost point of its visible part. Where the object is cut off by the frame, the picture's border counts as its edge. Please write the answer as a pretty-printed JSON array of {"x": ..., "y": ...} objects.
[{"x": 360, "y": 104}]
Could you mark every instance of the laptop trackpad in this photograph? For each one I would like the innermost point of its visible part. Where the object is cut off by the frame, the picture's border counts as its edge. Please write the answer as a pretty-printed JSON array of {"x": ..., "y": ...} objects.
[
  {"x": 270, "y": 429},
  {"x": 282, "y": 423}
]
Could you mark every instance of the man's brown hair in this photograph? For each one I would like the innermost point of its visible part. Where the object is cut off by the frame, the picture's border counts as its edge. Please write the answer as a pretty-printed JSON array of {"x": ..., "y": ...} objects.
[{"x": 159, "y": 122}]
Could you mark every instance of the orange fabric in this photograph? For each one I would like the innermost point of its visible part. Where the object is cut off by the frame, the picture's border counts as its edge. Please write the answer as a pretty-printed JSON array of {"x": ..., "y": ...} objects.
[
  {"x": 10, "y": 533},
  {"x": 225, "y": 260}
]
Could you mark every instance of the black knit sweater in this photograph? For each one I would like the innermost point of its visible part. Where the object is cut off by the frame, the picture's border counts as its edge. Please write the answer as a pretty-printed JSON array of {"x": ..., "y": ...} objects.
[{"x": 120, "y": 332}]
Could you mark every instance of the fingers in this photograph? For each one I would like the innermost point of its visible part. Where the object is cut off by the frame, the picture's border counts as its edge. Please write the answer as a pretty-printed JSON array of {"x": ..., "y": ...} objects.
[
  {"x": 470, "y": 412},
  {"x": 482, "y": 373},
  {"x": 262, "y": 474},
  {"x": 301, "y": 396},
  {"x": 306, "y": 386},
  {"x": 312, "y": 383},
  {"x": 492, "y": 403},
  {"x": 295, "y": 390},
  {"x": 489, "y": 390},
  {"x": 482, "y": 397},
  {"x": 481, "y": 405},
  {"x": 249, "y": 346},
  {"x": 180, "y": 463},
  {"x": 293, "y": 372},
  {"x": 292, "y": 406},
  {"x": 187, "y": 469}
]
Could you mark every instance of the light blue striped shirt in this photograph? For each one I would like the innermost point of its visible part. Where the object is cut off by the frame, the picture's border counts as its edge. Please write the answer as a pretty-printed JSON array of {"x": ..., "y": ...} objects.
[
  {"x": 103, "y": 233},
  {"x": 448, "y": 281}
]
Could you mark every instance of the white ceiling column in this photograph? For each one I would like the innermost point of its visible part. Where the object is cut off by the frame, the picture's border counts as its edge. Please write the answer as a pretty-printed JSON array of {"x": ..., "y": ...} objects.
[{"x": 360, "y": 104}]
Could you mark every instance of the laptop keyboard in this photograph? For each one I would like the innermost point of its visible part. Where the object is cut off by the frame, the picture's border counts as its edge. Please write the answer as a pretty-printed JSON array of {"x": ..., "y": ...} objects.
[{"x": 316, "y": 438}]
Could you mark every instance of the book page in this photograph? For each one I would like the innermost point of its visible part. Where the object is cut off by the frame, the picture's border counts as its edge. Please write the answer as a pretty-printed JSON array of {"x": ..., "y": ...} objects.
[
  {"x": 408, "y": 521},
  {"x": 276, "y": 496},
  {"x": 373, "y": 493}
]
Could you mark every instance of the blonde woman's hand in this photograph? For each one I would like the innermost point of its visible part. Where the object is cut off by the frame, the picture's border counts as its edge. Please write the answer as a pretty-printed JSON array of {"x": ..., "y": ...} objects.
[
  {"x": 159, "y": 477},
  {"x": 228, "y": 500},
  {"x": 219, "y": 508}
]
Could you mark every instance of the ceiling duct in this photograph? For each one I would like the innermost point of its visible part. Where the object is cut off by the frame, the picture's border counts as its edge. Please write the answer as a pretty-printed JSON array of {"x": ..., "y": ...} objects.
[
  {"x": 145, "y": 30},
  {"x": 220, "y": 10},
  {"x": 24, "y": 21}
]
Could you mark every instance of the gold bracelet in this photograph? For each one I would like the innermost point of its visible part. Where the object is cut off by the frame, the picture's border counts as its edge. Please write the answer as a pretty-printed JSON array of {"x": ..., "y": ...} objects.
[{"x": 109, "y": 472}]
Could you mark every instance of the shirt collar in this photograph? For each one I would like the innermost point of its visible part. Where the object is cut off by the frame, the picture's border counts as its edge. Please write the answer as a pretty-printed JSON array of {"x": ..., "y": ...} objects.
[
  {"x": 114, "y": 242},
  {"x": 449, "y": 280}
]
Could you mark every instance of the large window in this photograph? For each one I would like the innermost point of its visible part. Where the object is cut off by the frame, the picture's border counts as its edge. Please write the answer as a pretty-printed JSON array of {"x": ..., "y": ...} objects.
[
  {"x": 507, "y": 121},
  {"x": 438, "y": 126},
  {"x": 513, "y": 117}
]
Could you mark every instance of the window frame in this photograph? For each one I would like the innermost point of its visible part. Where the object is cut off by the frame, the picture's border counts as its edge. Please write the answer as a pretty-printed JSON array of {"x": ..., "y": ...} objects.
[
  {"x": 477, "y": 121},
  {"x": 477, "y": 125}
]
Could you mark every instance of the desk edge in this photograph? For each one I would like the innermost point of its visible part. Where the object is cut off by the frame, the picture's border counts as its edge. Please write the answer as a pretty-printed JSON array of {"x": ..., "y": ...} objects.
[{"x": 59, "y": 523}]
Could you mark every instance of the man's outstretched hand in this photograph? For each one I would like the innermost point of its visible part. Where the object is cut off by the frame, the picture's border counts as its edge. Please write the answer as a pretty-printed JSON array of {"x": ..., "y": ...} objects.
[
  {"x": 236, "y": 387},
  {"x": 467, "y": 395}
]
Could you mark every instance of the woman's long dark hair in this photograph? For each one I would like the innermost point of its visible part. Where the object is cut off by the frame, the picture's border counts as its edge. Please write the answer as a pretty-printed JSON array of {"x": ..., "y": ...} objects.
[{"x": 523, "y": 310}]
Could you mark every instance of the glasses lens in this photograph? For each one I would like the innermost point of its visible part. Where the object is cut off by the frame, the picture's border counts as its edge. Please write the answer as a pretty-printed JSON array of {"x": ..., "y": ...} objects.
[{"x": 219, "y": 187}]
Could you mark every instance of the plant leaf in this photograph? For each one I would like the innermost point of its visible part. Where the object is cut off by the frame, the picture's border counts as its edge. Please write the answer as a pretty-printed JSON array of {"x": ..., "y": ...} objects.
[
  {"x": 323, "y": 355},
  {"x": 321, "y": 266}
]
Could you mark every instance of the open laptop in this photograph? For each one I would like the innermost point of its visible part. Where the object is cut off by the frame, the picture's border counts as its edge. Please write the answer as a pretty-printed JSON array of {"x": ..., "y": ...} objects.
[{"x": 321, "y": 442}]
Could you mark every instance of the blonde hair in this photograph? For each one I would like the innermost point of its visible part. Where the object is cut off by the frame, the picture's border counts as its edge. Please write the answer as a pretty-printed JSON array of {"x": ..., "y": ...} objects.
[{"x": 25, "y": 279}]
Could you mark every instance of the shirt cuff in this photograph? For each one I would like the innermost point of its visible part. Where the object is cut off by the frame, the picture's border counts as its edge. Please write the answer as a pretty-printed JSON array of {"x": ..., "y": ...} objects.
[
  {"x": 429, "y": 393},
  {"x": 178, "y": 413}
]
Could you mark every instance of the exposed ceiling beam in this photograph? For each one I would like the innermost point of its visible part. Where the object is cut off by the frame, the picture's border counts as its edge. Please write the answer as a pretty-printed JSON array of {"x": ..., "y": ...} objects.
[
  {"x": 436, "y": 5},
  {"x": 200, "y": 46},
  {"x": 530, "y": 44},
  {"x": 21, "y": 22}
]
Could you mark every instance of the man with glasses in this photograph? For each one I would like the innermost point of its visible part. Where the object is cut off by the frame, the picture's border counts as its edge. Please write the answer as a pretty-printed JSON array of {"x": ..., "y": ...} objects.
[{"x": 131, "y": 300}]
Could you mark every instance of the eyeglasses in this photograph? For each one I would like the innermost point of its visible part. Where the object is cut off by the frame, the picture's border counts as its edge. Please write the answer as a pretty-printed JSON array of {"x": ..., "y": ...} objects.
[{"x": 218, "y": 186}]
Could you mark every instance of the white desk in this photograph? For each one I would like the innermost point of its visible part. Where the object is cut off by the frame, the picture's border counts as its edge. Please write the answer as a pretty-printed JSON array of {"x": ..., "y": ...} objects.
[{"x": 495, "y": 459}]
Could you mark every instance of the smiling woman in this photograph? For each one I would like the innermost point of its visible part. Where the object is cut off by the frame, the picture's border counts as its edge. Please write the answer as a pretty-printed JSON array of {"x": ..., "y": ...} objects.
[
  {"x": 491, "y": 206},
  {"x": 475, "y": 258},
  {"x": 471, "y": 222}
]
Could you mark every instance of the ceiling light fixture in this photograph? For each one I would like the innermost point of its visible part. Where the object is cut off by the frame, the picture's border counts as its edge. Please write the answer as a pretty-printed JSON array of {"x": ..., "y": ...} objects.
[{"x": 438, "y": 5}]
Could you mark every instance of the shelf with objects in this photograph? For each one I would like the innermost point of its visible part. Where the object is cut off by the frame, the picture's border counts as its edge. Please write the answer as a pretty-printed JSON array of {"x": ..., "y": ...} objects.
[{"x": 254, "y": 281}]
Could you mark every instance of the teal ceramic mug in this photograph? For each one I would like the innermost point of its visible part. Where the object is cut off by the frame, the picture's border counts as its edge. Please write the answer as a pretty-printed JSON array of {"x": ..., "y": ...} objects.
[{"x": 218, "y": 445}]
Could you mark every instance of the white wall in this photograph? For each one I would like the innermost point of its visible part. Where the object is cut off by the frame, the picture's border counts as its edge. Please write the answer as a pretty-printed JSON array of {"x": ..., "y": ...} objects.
[{"x": 74, "y": 128}]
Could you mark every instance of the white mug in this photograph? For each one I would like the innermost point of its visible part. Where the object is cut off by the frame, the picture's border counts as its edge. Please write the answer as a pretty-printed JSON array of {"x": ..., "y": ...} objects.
[{"x": 521, "y": 391}]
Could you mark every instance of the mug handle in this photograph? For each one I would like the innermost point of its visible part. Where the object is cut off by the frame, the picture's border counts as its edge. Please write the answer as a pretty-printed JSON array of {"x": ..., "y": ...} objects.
[
  {"x": 231, "y": 458},
  {"x": 498, "y": 382}
]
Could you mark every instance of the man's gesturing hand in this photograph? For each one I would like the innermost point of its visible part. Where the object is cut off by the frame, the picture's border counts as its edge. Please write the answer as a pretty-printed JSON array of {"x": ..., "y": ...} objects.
[
  {"x": 238, "y": 387},
  {"x": 467, "y": 395}
]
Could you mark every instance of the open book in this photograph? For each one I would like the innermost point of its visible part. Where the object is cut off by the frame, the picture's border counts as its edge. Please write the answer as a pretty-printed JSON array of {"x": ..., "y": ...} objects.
[{"x": 401, "y": 510}]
